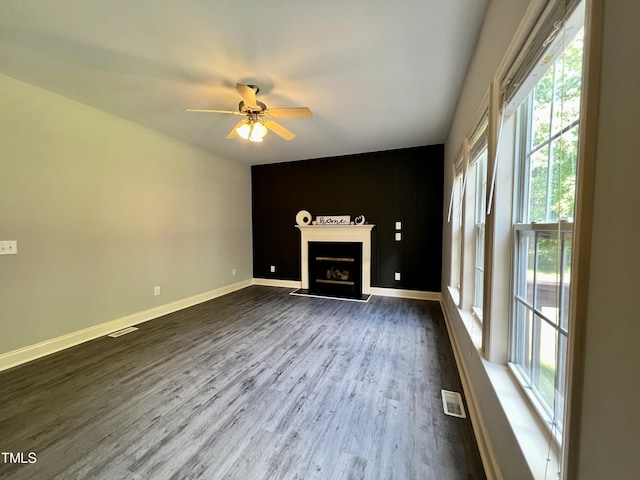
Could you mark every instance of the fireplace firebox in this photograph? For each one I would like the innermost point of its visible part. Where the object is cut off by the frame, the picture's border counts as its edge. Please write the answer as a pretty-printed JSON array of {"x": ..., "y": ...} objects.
[{"x": 335, "y": 269}]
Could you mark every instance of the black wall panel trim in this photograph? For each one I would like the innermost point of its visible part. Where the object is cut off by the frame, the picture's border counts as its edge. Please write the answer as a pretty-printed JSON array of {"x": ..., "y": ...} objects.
[{"x": 386, "y": 187}]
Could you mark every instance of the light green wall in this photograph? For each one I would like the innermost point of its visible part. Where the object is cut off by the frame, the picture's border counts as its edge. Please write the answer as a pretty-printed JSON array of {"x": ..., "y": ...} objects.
[
  {"x": 104, "y": 210},
  {"x": 610, "y": 421}
]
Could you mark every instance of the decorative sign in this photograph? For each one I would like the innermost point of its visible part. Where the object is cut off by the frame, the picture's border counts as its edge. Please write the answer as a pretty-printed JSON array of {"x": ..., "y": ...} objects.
[{"x": 333, "y": 219}]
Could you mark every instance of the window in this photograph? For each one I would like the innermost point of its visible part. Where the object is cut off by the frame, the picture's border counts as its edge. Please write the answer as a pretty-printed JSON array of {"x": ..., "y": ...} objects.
[
  {"x": 467, "y": 218},
  {"x": 480, "y": 200},
  {"x": 548, "y": 131},
  {"x": 455, "y": 216}
]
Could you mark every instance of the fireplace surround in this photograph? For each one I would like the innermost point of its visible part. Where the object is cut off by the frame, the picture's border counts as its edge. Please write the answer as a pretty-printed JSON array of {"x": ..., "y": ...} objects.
[{"x": 336, "y": 234}]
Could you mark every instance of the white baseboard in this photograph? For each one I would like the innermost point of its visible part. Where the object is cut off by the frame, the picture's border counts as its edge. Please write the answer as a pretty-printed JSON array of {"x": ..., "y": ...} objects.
[
  {"x": 32, "y": 352},
  {"x": 483, "y": 440},
  {"x": 398, "y": 293},
  {"x": 382, "y": 292},
  {"x": 274, "y": 282}
]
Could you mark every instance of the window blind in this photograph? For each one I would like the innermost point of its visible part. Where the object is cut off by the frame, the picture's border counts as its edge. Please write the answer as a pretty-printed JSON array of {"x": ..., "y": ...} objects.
[
  {"x": 479, "y": 138},
  {"x": 457, "y": 172},
  {"x": 538, "y": 49}
]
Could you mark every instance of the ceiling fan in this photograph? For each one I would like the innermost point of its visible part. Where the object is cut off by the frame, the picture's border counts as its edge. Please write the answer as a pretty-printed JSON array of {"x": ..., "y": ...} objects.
[{"x": 258, "y": 116}]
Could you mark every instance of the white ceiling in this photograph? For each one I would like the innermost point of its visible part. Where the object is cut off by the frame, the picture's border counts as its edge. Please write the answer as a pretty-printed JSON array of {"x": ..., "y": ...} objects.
[{"x": 378, "y": 75}]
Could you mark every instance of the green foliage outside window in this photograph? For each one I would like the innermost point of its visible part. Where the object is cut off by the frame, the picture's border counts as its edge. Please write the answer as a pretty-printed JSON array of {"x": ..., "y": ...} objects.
[{"x": 555, "y": 112}]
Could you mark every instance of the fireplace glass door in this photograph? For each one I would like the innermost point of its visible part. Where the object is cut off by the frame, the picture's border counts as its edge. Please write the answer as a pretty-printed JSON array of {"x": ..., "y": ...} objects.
[{"x": 335, "y": 268}]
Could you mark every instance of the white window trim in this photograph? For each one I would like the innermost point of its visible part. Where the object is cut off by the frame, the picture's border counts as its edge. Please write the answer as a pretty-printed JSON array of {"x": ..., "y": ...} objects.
[{"x": 547, "y": 417}]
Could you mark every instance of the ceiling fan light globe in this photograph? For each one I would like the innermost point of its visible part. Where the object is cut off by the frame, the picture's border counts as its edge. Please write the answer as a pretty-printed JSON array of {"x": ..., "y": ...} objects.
[
  {"x": 259, "y": 130},
  {"x": 244, "y": 130},
  {"x": 256, "y": 135}
]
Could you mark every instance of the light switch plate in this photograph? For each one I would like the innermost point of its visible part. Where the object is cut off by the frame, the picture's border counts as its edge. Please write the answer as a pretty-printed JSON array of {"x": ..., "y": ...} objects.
[
  {"x": 398, "y": 225},
  {"x": 8, "y": 247},
  {"x": 398, "y": 236}
]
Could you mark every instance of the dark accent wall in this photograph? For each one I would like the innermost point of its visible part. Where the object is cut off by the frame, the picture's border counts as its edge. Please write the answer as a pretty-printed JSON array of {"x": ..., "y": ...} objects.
[{"x": 386, "y": 187}]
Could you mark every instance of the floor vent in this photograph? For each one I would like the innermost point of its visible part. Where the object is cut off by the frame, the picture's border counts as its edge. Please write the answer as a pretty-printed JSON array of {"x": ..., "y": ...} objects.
[
  {"x": 452, "y": 404},
  {"x": 124, "y": 331}
]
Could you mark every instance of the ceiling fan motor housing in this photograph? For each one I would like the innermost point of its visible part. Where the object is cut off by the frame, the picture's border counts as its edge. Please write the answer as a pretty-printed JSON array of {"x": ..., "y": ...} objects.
[{"x": 243, "y": 108}]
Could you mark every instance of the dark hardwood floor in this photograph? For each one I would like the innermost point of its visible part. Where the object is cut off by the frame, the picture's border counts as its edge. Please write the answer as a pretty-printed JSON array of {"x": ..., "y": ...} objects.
[{"x": 257, "y": 384}]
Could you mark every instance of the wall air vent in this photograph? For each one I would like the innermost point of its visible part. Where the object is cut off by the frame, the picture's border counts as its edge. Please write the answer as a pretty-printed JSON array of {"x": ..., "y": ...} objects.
[
  {"x": 124, "y": 331},
  {"x": 452, "y": 404}
]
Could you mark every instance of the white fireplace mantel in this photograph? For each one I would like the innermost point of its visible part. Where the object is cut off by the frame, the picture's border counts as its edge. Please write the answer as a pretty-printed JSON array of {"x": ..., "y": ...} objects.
[{"x": 337, "y": 233}]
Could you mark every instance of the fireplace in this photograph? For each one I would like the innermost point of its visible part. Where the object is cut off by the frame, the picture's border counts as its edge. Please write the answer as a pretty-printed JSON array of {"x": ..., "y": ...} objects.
[
  {"x": 358, "y": 271},
  {"x": 335, "y": 269}
]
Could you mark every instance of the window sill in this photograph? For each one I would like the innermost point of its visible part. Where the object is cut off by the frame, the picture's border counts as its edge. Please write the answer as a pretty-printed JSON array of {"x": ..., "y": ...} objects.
[
  {"x": 541, "y": 414},
  {"x": 535, "y": 441},
  {"x": 470, "y": 321},
  {"x": 531, "y": 434},
  {"x": 455, "y": 294}
]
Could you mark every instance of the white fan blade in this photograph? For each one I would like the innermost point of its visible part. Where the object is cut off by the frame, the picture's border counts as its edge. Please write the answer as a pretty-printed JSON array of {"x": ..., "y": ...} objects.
[
  {"x": 211, "y": 111},
  {"x": 248, "y": 95},
  {"x": 279, "y": 129},
  {"x": 295, "y": 112}
]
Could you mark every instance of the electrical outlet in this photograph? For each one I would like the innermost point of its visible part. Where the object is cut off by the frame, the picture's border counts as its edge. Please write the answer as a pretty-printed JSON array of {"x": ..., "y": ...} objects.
[
  {"x": 233, "y": 272},
  {"x": 273, "y": 268},
  {"x": 8, "y": 247},
  {"x": 397, "y": 276},
  {"x": 156, "y": 291}
]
